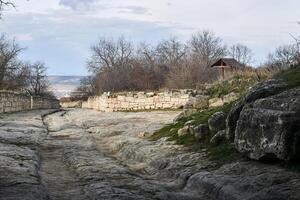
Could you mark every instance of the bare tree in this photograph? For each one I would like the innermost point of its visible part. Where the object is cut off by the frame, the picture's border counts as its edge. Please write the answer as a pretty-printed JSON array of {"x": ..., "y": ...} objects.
[
  {"x": 110, "y": 53},
  {"x": 38, "y": 84},
  {"x": 297, "y": 48},
  {"x": 9, "y": 63},
  {"x": 170, "y": 52},
  {"x": 241, "y": 53},
  {"x": 283, "y": 57},
  {"x": 207, "y": 48},
  {"x": 87, "y": 88}
]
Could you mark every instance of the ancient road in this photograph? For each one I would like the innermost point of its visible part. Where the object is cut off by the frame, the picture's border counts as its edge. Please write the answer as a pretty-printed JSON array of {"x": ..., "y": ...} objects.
[{"x": 84, "y": 154}]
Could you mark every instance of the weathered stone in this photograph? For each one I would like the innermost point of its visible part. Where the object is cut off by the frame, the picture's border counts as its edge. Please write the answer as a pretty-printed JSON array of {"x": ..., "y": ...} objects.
[
  {"x": 198, "y": 102},
  {"x": 270, "y": 127},
  {"x": 261, "y": 90},
  {"x": 71, "y": 104},
  {"x": 145, "y": 134},
  {"x": 216, "y": 102},
  {"x": 11, "y": 101},
  {"x": 201, "y": 131},
  {"x": 218, "y": 138},
  {"x": 247, "y": 180},
  {"x": 95, "y": 155},
  {"x": 230, "y": 97},
  {"x": 137, "y": 101},
  {"x": 185, "y": 131},
  {"x": 217, "y": 122},
  {"x": 185, "y": 113}
]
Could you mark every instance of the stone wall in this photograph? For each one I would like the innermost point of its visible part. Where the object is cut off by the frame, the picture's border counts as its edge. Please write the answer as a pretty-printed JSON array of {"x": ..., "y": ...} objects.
[
  {"x": 13, "y": 102},
  {"x": 138, "y": 101},
  {"x": 71, "y": 104}
]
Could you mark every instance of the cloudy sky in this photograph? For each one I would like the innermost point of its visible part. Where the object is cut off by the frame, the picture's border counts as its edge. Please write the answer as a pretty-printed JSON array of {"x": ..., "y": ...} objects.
[{"x": 60, "y": 32}]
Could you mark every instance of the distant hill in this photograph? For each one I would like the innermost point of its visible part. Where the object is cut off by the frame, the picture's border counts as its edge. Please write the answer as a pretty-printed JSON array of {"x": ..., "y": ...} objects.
[{"x": 62, "y": 86}]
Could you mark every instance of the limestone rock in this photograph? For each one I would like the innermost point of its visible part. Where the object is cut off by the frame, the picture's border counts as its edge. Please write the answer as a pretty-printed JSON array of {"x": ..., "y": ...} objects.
[
  {"x": 270, "y": 127},
  {"x": 185, "y": 113},
  {"x": 216, "y": 102},
  {"x": 200, "y": 102},
  {"x": 259, "y": 91},
  {"x": 247, "y": 181},
  {"x": 217, "y": 122},
  {"x": 218, "y": 138},
  {"x": 185, "y": 131},
  {"x": 145, "y": 134},
  {"x": 230, "y": 97},
  {"x": 201, "y": 131}
]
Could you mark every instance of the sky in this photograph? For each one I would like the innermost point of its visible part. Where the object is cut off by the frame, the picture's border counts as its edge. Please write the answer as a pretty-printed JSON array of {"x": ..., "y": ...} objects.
[{"x": 60, "y": 32}]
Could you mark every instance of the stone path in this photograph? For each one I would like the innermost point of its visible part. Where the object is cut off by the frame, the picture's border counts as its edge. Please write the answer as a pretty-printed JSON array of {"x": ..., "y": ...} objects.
[
  {"x": 60, "y": 182},
  {"x": 84, "y": 154}
]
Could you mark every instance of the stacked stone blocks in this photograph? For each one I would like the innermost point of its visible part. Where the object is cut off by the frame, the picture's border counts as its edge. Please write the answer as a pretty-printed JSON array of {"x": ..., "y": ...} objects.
[{"x": 14, "y": 102}]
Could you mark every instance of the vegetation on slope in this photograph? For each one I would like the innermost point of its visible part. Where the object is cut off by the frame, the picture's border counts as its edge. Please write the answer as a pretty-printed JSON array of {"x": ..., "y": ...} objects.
[
  {"x": 225, "y": 152},
  {"x": 291, "y": 76},
  {"x": 219, "y": 154}
]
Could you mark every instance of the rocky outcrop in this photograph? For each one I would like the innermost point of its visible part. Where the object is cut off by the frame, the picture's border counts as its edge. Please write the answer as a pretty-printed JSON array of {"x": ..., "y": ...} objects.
[
  {"x": 247, "y": 181},
  {"x": 259, "y": 91},
  {"x": 93, "y": 155},
  {"x": 20, "y": 136},
  {"x": 270, "y": 127}
]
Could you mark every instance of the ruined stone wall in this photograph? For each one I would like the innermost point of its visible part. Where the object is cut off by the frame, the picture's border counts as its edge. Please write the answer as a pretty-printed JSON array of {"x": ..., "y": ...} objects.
[
  {"x": 138, "y": 101},
  {"x": 13, "y": 102},
  {"x": 71, "y": 104}
]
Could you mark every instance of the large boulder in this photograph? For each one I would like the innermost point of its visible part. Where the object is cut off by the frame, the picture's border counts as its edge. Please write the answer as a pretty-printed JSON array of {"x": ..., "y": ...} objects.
[
  {"x": 217, "y": 122},
  {"x": 270, "y": 127},
  {"x": 259, "y": 91}
]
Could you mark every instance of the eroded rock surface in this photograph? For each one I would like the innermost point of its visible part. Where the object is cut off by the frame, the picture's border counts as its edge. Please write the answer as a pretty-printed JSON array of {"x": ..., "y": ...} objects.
[
  {"x": 270, "y": 127},
  {"x": 261, "y": 90},
  {"x": 20, "y": 136},
  {"x": 84, "y": 154}
]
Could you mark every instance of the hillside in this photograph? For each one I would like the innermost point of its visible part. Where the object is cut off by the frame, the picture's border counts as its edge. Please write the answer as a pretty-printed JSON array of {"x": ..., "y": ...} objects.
[{"x": 62, "y": 86}]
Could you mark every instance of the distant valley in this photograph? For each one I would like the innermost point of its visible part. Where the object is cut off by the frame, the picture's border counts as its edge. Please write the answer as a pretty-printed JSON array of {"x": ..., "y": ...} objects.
[{"x": 62, "y": 86}]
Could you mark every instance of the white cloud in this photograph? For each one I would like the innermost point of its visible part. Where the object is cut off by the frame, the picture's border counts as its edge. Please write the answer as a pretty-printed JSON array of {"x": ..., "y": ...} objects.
[
  {"x": 78, "y": 4},
  {"x": 72, "y": 25}
]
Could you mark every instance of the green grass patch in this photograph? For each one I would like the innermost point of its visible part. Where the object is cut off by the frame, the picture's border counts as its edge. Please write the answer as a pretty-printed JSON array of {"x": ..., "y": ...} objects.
[
  {"x": 220, "y": 154},
  {"x": 290, "y": 76},
  {"x": 238, "y": 84}
]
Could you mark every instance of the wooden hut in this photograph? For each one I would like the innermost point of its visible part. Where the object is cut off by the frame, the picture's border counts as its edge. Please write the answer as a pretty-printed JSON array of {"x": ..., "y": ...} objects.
[{"x": 227, "y": 64}]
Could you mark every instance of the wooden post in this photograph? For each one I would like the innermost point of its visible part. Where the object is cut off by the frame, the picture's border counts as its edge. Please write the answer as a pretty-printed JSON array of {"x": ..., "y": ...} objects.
[
  {"x": 223, "y": 71},
  {"x": 31, "y": 102}
]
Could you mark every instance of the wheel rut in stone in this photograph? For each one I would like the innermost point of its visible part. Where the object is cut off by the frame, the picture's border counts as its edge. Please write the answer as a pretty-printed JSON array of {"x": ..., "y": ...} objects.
[{"x": 60, "y": 182}]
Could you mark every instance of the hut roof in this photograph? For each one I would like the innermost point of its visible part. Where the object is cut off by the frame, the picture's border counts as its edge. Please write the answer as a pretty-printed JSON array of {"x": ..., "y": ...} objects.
[{"x": 228, "y": 62}]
